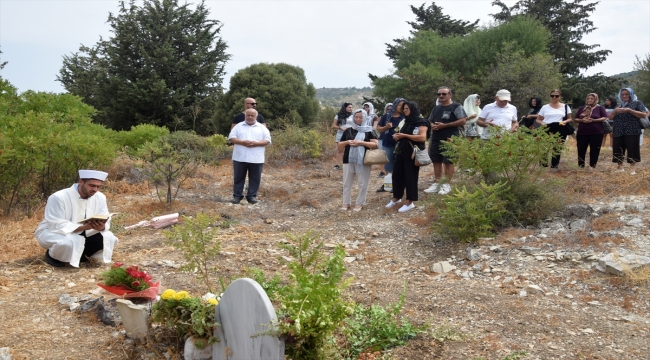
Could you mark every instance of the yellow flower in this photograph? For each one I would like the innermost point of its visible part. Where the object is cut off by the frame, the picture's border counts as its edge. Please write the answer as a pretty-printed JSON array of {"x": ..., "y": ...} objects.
[
  {"x": 168, "y": 294},
  {"x": 213, "y": 301},
  {"x": 181, "y": 295}
]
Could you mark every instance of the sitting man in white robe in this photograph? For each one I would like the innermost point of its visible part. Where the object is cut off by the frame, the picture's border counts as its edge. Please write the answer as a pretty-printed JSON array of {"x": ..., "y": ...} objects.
[{"x": 63, "y": 233}]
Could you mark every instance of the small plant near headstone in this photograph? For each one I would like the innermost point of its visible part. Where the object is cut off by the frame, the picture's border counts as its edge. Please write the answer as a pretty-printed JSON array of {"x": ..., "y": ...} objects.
[
  {"x": 189, "y": 316},
  {"x": 312, "y": 305},
  {"x": 197, "y": 239},
  {"x": 377, "y": 328},
  {"x": 270, "y": 285}
]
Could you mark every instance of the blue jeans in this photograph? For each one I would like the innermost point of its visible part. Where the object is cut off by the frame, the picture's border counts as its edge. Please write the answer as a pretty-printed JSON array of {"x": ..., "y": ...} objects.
[{"x": 391, "y": 158}]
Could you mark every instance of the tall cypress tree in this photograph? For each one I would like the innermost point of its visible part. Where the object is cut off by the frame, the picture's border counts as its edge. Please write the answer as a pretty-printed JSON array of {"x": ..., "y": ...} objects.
[
  {"x": 432, "y": 18},
  {"x": 163, "y": 65},
  {"x": 567, "y": 21}
]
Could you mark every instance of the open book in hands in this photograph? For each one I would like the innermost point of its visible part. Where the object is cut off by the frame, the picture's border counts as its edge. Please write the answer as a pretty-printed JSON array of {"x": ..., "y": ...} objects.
[{"x": 98, "y": 217}]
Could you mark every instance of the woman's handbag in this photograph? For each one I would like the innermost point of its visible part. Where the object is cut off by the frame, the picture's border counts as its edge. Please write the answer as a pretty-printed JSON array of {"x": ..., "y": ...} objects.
[
  {"x": 421, "y": 157},
  {"x": 644, "y": 122},
  {"x": 375, "y": 157},
  {"x": 567, "y": 129},
  {"x": 607, "y": 127}
]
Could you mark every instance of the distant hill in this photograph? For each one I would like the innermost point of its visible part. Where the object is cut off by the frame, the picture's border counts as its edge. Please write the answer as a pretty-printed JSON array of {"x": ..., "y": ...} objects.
[
  {"x": 335, "y": 97},
  {"x": 627, "y": 76}
]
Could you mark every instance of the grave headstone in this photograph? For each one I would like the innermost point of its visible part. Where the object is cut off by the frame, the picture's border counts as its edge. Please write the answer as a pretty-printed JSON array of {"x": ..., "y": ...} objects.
[
  {"x": 134, "y": 317},
  {"x": 245, "y": 310}
]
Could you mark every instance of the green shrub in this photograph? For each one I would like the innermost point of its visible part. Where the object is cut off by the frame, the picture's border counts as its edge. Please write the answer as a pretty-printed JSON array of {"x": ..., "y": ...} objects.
[
  {"x": 197, "y": 239},
  {"x": 467, "y": 216},
  {"x": 506, "y": 156},
  {"x": 218, "y": 145},
  {"x": 271, "y": 286},
  {"x": 139, "y": 135},
  {"x": 44, "y": 140},
  {"x": 295, "y": 143},
  {"x": 377, "y": 328},
  {"x": 172, "y": 159},
  {"x": 528, "y": 203},
  {"x": 312, "y": 306}
]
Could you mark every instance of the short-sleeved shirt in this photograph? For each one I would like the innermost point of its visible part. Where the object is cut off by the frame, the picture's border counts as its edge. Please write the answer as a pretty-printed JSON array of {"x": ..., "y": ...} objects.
[
  {"x": 626, "y": 123},
  {"x": 552, "y": 115},
  {"x": 243, "y": 131},
  {"x": 241, "y": 117},
  {"x": 500, "y": 116},
  {"x": 388, "y": 140},
  {"x": 595, "y": 127},
  {"x": 350, "y": 134},
  {"x": 446, "y": 114}
]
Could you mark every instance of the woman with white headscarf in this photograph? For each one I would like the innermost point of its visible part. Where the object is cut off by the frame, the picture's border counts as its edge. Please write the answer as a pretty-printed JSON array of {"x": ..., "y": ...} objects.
[
  {"x": 372, "y": 117},
  {"x": 627, "y": 129},
  {"x": 354, "y": 143},
  {"x": 471, "y": 106}
]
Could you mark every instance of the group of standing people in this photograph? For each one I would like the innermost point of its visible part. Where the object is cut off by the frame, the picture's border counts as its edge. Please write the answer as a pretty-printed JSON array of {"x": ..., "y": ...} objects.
[{"x": 401, "y": 129}]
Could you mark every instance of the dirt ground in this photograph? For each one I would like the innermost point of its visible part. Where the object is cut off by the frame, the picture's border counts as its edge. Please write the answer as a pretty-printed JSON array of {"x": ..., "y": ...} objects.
[{"x": 584, "y": 313}]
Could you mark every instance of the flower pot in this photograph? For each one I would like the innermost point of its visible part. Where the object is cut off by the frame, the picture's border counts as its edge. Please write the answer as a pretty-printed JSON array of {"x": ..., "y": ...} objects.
[{"x": 191, "y": 352}]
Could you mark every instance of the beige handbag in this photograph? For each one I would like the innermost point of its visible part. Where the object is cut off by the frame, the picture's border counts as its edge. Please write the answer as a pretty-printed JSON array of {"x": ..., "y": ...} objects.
[{"x": 375, "y": 157}]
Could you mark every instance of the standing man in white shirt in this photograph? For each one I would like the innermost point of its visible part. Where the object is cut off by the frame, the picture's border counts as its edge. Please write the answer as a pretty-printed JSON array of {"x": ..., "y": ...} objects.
[
  {"x": 499, "y": 113},
  {"x": 250, "y": 139}
]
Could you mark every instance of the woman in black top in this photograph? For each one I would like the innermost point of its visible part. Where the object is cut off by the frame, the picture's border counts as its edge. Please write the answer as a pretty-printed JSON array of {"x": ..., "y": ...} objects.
[
  {"x": 528, "y": 121},
  {"x": 411, "y": 132}
]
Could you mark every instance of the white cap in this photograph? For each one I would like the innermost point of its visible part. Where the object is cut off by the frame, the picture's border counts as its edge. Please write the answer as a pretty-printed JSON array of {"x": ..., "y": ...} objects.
[
  {"x": 503, "y": 95},
  {"x": 92, "y": 174}
]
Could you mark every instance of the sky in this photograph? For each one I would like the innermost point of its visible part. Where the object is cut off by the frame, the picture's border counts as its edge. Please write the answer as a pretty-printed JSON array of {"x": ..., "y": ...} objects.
[{"x": 337, "y": 43}]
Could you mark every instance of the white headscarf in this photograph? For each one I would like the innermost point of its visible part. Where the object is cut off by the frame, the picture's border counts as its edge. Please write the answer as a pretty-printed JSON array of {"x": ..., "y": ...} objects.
[
  {"x": 471, "y": 108},
  {"x": 371, "y": 112},
  {"x": 355, "y": 156}
]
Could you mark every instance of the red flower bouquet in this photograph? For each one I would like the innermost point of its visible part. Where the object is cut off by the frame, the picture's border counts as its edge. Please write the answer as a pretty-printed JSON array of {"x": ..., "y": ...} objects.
[{"x": 129, "y": 282}]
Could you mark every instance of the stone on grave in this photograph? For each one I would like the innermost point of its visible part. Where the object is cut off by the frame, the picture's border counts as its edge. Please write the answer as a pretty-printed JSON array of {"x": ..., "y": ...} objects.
[
  {"x": 442, "y": 267},
  {"x": 5, "y": 353},
  {"x": 244, "y": 311},
  {"x": 191, "y": 352},
  {"x": 134, "y": 317}
]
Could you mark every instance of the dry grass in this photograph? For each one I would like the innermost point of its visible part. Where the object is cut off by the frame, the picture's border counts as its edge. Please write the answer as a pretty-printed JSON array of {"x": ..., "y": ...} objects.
[
  {"x": 18, "y": 240},
  {"x": 606, "y": 222},
  {"x": 638, "y": 277},
  {"x": 628, "y": 302}
]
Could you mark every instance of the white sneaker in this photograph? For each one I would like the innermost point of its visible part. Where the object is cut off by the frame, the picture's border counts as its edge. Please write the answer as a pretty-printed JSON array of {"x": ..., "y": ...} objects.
[
  {"x": 406, "y": 208},
  {"x": 620, "y": 170},
  {"x": 432, "y": 189},
  {"x": 633, "y": 172},
  {"x": 393, "y": 203},
  {"x": 445, "y": 189}
]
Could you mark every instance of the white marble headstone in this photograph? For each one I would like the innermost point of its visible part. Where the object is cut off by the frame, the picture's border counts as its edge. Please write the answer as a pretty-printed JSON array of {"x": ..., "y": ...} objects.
[{"x": 245, "y": 310}]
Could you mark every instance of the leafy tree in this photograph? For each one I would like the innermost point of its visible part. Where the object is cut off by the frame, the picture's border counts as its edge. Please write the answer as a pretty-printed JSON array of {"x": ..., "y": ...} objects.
[
  {"x": 514, "y": 71},
  {"x": 163, "y": 65},
  {"x": 567, "y": 21},
  {"x": 427, "y": 61},
  {"x": 281, "y": 91},
  {"x": 172, "y": 159},
  {"x": 641, "y": 82},
  {"x": 433, "y": 19},
  {"x": 44, "y": 140},
  {"x": 576, "y": 88}
]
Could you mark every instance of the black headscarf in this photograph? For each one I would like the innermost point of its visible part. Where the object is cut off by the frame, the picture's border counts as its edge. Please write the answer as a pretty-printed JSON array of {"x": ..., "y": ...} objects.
[
  {"x": 538, "y": 105},
  {"x": 343, "y": 113},
  {"x": 415, "y": 112},
  {"x": 613, "y": 103}
]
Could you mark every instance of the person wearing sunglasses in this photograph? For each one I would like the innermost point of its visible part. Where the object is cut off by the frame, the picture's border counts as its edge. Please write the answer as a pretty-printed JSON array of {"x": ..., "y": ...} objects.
[
  {"x": 555, "y": 116},
  {"x": 446, "y": 120},
  {"x": 249, "y": 103}
]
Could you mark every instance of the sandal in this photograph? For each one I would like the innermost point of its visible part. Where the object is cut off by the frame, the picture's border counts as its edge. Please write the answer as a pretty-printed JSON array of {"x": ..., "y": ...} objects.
[
  {"x": 345, "y": 207},
  {"x": 357, "y": 208}
]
